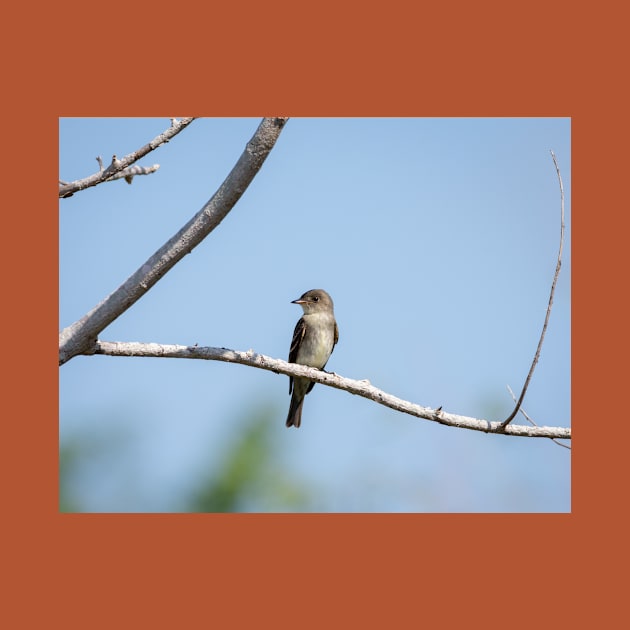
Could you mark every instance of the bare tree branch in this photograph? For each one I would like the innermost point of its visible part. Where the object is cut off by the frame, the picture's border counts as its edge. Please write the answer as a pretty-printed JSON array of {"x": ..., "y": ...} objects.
[
  {"x": 67, "y": 190},
  {"x": 80, "y": 336},
  {"x": 509, "y": 419},
  {"x": 360, "y": 388}
]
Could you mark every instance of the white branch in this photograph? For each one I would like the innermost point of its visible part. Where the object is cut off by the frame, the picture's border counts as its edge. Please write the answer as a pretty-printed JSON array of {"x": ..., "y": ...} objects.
[{"x": 360, "y": 388}]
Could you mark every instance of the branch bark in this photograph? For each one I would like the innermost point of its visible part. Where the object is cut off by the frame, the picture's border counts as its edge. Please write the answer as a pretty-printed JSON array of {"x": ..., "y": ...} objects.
[
  {"x": 79, "y": 338},
  {"x": 360, "y": 388}
]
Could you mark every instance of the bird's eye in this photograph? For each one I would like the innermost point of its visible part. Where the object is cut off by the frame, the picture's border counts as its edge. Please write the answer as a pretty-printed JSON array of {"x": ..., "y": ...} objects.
[{"x": 316, "y": 298}]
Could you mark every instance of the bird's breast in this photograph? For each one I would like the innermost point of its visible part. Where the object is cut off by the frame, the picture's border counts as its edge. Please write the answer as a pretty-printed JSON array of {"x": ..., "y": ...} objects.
[{"x": 317, "y": 344}]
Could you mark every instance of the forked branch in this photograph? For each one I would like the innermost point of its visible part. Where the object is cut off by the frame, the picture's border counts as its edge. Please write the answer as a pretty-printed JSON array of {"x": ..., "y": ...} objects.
[{"x": 80, "y": 336}]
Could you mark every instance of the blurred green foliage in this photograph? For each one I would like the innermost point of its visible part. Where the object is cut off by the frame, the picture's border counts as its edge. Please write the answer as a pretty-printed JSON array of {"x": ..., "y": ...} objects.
[{"x": 249, "y": 476}]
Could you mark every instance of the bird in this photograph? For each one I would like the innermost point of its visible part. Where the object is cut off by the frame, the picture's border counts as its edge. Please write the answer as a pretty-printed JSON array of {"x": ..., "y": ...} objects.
[{"x": 314, "y": 338}]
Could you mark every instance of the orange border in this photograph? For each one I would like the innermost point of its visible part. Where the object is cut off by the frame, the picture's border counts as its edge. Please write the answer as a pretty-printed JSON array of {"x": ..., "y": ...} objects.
[{"x": 324, "y": 570}]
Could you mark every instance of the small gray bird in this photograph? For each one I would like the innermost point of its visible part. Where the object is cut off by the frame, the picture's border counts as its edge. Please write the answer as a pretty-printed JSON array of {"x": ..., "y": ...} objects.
[{"x": 314, "y": 338}]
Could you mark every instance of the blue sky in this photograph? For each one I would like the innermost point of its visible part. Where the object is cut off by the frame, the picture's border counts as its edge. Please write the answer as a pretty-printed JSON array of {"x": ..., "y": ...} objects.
[{"x": 437, "y": 239}]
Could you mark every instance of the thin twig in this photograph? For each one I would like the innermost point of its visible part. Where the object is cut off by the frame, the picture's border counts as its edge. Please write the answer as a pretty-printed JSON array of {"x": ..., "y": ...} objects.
[
  {"x": 360, "y": 388},
  {"x": 117, "y": 165},
  {"x": 553, "y": 289},
  {"x": 532, "y": 422}
]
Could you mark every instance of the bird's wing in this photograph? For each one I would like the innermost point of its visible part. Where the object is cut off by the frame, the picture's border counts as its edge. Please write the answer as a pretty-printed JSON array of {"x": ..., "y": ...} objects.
[{"x": 298, "y": 335}]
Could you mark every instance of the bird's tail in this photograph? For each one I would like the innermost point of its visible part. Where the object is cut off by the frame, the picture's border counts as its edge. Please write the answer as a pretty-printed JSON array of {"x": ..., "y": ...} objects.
[{"x": 295, "y": 411}]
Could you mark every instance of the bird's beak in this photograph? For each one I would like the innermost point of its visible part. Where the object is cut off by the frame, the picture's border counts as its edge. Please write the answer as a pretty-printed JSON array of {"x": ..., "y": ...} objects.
[{"x": 298, "y": 301}]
